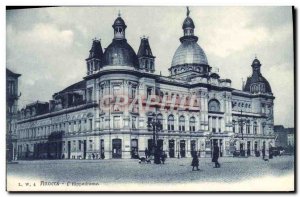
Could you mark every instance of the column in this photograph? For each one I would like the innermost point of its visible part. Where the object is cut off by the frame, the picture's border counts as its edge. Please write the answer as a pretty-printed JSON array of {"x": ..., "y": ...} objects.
[
  {"x": 210, "y": 123},
  {"x": 188, "y": 148},
  {"x": 222, "y": 125},
  {"x": 217, "y": 125},
  {"x": 107, "y": 147}
]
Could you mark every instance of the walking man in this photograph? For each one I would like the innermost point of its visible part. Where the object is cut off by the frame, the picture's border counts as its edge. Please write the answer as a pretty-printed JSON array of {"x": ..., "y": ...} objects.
[
  {"x": 163, "y": 157},
  {"x": 195, "y": 162},
  {"x": 216, "y": 153}
]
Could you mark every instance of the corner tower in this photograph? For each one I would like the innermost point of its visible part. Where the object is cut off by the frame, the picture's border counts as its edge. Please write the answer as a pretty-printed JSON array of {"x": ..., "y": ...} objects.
[
  {"x": 257, "y": 84},
  {"x": 145, "y": 56},
  {"x": 95, "y": 59}
]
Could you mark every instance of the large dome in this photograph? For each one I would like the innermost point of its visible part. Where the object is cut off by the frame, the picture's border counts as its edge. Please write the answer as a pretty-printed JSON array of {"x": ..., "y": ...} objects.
[
  {"x": 119, "y": 52},
  {"x": 189, "y": 52}
]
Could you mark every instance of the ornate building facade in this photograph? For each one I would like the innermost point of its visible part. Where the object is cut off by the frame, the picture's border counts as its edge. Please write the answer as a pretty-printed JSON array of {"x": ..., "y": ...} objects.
[
  {"x": 12, "y": 96},
  {"x": 76, "y": 124}
]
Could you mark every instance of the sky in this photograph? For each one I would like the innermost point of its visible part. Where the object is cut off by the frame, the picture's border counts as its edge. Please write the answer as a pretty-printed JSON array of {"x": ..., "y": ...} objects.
[{"x": 48, "y": 46}]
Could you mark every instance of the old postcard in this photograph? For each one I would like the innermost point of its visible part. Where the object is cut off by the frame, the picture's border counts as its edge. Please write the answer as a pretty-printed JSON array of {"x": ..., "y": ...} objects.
[{"x": 150, "y": 99}]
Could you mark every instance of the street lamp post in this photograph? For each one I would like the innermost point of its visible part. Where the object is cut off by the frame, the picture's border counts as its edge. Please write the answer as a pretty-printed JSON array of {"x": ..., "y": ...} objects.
[{"x": 156, "y": 126}]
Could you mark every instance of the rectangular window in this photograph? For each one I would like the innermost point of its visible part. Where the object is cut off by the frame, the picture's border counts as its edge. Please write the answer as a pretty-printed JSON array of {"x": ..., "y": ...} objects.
[
  {"x": 79, "y": 125},
  {"x": 117, "y": 122},
  {"x": 192, "y": 128},
  {"x": 116, "y": 90},
  {"x": 90, "y": 124},
  {"x": 255, "y": 129},
  {"x": 90, "y": 94},
  {"x": 133, "y": 122},
  {"x": 240, "y": 128},
  {"x": 74, "y": 146},
  {"x": 133, "y": 92},
  {"x": 84, "y": 125},
  {"x": 91, "y": 144},
  {"x": 248, "y": 129},
  {"x": 102, "y": 91},
  {"x": 79, "y": 145},
  {"x": 149, "y": 90}
]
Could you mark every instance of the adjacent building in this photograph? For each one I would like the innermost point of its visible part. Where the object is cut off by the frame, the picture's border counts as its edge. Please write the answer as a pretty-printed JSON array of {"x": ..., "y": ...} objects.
[
  {"x": 12, "y": 97},
  {"x": 284, "y": 136},
  {"x": 76, "y": 124}
]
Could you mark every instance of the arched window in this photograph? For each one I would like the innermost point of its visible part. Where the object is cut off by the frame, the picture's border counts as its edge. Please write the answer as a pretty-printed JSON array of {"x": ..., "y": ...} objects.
[
  {"x": 181, "y": 123},
  {"x": 171, "y": 123},
  {"x": 192, "y": 124},
  {"x": 214, "y": 106}
]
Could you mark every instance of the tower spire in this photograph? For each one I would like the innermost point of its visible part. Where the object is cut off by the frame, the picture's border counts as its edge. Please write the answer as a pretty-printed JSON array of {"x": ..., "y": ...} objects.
[
  {"x": 187, "y": 11},
  {"x": 119, "y": 13}
]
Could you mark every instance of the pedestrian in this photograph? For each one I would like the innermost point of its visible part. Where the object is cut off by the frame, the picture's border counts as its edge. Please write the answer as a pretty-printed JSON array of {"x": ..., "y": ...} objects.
[
  {"x": 163, "y": 157},
  {"x": 263, "y": 152},
  {"x": 93, "y": 155},
  {"x": 216, "y": 153},
  {"x": 195, "y": 162},
  {"x": 270, "y": 152},
  {"x": 146, "y": 153}
]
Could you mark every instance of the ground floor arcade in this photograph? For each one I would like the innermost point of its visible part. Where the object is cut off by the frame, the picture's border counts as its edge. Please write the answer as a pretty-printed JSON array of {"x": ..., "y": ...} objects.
[{"x": 110, "y": 146}]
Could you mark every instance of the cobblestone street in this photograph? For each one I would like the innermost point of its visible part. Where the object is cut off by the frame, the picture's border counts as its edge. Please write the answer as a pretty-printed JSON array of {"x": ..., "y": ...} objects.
[{"x": 130, "y": 171}]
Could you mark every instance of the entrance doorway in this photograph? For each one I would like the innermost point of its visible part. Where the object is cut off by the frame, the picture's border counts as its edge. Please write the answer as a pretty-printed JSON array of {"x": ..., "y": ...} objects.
[
  {"x": 193, "y": 148},
  {"x": 150, "y": 147},
  {"x": 248, "y": 148},
  {"x": 116, "y": 148},
  {"x": 69, "y": 149},
  {"x": 171, "y": 148},
  {"x": 242, "y": 151},
  {"x": 102, "y": 156},
  {"x": 160, "y": 144},
  {"x": 134, "y": 149},
  {"x": 255, "y": 146},
  {"x": 84, "y": 149},
  {"x": 182, "y": 148}
]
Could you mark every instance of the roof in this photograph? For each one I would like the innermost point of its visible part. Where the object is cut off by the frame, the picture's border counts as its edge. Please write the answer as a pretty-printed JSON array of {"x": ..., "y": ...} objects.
[
  {"x": 76, "y": 86},
  {"x": 188, "y": 23},
  {"x": 119, "y": 22},
  {"x": 189, "y": 52},
  {"x": 257, "y": 78},
  {"x": 119, "y": 52},
  {"x": 12, "y": 74},
  {"x": 145, "y": 49},
  {"x": 96, "y": 50}
]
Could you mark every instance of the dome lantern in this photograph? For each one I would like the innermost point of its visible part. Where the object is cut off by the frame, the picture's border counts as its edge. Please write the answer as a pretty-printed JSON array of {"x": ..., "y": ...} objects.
[
  {"x": 188, "y": 24},
  {"x": 119, "y": 28},
  {"x": 119, "y": 52}
]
